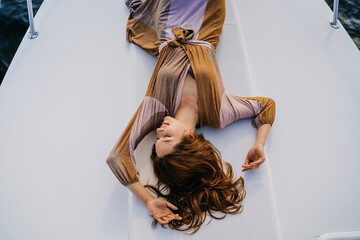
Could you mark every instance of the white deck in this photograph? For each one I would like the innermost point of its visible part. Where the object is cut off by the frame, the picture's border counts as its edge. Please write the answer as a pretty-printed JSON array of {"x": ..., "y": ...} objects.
[{"x": 68, "y": 95}]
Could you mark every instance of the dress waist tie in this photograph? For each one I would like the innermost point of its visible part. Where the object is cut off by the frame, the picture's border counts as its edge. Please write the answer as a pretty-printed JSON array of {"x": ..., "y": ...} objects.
[{"x": 184, "y": 36}]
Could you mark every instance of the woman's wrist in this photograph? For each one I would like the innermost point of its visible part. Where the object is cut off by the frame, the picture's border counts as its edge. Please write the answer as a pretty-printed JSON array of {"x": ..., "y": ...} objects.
[
  {"x": 261, "y": 135},
  {"x": 148, "y": 200},
  {"x": 140, "y": 192},
  {"x": 259, "y": 144}
]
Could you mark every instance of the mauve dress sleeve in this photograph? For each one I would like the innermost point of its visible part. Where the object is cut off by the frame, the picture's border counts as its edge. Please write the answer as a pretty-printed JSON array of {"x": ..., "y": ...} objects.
[
  {"x": 234, "y": 108},
  {"x": 121, "y": 159}
]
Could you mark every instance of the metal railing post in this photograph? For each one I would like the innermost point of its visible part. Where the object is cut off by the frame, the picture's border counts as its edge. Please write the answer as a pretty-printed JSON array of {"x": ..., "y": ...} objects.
[
  {"x": 32, "y": 34},
  {"x": 334, "y": 22}
]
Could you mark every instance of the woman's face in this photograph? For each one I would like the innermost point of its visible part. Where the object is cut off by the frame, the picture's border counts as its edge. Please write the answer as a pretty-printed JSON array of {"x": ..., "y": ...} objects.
[{"x": 170, "y": 133}]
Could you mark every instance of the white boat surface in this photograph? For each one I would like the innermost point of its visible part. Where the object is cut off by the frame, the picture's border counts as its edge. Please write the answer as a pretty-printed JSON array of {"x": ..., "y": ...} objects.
[{"x": 69, "y": 93}]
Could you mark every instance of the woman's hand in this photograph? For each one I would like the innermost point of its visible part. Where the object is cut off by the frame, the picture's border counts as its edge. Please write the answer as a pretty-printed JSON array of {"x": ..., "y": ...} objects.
[
  {"x": 254, "y": 158},
  {"x": 161, "y": 210}
]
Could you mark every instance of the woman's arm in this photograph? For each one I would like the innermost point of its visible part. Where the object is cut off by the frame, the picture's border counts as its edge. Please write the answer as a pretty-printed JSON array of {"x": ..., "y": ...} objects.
[
  {"x": 256, "y": 155},
  {"x": 159, "y": 208},
  {"x": 122, "y": 165},
  {"x": 262, "y": 110}
]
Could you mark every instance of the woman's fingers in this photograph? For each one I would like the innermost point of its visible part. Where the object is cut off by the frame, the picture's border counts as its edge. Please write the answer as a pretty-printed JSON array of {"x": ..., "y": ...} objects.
[
  {"x": 252, "y": 165},
  {"x": 246, "y": 167},
  {"x": 168, "y": 218},
  {"x": 161, "y": 221},
  {"x": 169, "y": 205},
  {"x": 257, "y": 163},
  {"x": 246, "y": 163}
]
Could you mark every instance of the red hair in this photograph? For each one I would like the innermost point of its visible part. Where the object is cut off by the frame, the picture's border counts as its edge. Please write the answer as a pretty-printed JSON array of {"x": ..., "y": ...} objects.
[{"x": 198, "y": 182}]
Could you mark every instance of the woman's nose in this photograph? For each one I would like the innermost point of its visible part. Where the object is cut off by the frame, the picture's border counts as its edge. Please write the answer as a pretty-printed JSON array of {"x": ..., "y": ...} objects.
[{"x": 159, "y": 130}]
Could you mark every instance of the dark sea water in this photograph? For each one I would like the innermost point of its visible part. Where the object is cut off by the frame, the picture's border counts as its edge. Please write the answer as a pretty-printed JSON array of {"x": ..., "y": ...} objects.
[
  {"x": 349, "y": 16},
  {"x": 14, "y": 23}
]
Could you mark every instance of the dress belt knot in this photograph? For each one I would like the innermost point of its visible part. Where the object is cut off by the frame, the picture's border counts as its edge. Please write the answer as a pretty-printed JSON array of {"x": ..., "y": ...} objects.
[
  {"x": 184, "y": 36},
  {"x": 181, "y": 36}
]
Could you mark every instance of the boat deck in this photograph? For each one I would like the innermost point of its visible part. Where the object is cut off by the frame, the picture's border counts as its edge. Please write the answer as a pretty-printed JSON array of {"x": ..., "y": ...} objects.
[{"x": 69, "y": 94}]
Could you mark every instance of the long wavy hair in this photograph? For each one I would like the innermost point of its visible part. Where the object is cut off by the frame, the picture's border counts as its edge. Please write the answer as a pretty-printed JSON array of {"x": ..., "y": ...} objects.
[{"x": 198, "y": 182}]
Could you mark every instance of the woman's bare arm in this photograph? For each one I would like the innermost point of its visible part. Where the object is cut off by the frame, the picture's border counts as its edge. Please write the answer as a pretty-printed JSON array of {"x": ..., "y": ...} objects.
[{"x": 262, "y": 134}]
